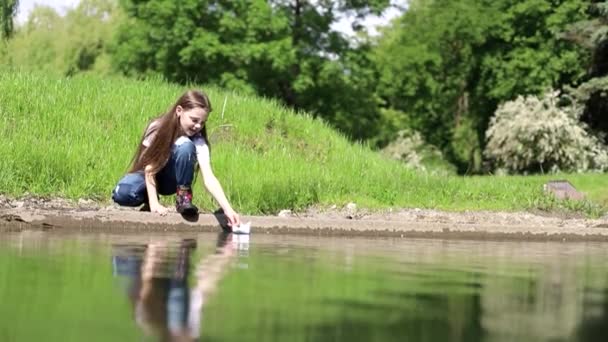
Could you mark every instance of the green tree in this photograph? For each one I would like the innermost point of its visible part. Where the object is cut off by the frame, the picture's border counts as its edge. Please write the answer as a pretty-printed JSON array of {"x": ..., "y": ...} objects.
[
  {"x": 281, "y": 49},
  {"x": 8, "y": 11},
  {"x": 33, "y": 44},
  {"x": 68, "y": 44},
  {"x": 592, "y": 34},
  {"x": 446, "y": 65},
  {"x": 525, "y": 53}
]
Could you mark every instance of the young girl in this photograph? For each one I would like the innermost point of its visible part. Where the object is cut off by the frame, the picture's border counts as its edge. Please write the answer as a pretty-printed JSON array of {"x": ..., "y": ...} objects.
[{"x": 166, "y": 157}]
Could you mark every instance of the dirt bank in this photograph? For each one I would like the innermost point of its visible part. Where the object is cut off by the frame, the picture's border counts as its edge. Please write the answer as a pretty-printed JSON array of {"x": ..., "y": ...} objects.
[{"x": 61, "y": 215}]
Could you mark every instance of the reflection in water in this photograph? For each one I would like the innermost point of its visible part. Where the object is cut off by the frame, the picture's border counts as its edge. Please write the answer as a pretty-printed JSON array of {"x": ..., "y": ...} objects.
[
  {"x": 299, "y": 289},
  {"x": 594, "y": 327},
  {"x": 157, "y": 283}
]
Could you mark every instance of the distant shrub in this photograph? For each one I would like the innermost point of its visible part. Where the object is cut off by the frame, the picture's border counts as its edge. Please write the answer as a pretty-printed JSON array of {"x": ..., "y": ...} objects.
[
  {"x": 531, "y": 134},
  {"x": 410, "y": 148}
]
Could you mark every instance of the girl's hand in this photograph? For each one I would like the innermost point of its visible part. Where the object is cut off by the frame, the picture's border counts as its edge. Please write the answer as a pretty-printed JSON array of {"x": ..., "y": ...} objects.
[
  {"x": 233, "y": 218},
  {"x": 162, "y": 211}
]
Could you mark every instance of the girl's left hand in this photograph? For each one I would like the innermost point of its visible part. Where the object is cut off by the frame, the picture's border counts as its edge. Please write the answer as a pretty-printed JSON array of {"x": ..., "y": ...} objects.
[{"x": 233, "y": 218}]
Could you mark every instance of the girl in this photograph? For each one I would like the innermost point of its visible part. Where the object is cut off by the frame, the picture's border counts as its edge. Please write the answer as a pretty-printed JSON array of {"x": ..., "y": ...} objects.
[{"x": 165, "y": 159}]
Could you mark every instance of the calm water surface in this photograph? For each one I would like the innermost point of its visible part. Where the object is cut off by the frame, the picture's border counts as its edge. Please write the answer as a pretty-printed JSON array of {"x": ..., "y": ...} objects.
[{"x": 215, "y": 287}]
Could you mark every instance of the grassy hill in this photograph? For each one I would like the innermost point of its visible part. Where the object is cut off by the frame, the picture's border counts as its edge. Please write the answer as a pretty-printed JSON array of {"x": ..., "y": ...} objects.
[{"x": 74, "y": 137}]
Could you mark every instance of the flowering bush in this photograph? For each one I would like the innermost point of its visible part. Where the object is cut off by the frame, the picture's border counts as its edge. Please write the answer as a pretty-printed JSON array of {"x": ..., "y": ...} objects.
[
  {"x": 410, "y": 148},
  {"x": 532, "y": 134}
]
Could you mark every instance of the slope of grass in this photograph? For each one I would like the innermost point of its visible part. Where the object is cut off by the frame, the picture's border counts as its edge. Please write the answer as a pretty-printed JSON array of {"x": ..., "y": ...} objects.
[{"x": 74, "y": 137}]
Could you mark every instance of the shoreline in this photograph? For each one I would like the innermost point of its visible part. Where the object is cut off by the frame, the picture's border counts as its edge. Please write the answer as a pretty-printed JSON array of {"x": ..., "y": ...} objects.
[{"x": 405, "y": 223}]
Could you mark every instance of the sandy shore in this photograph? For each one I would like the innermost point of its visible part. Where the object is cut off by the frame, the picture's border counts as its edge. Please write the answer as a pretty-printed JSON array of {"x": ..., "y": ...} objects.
[{"x": 58, "y": 215}]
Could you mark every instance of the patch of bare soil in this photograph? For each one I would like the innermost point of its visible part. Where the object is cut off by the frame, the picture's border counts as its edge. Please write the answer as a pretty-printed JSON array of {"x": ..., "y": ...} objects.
[{"x": 55, "y": 213}]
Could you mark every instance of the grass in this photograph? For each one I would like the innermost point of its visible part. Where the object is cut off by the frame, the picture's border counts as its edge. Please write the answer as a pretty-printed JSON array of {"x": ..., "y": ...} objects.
[{"x": 74, "y": 138}]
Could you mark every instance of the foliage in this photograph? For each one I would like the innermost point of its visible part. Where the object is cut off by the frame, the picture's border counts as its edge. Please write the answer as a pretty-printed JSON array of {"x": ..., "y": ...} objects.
[
  {"x": 445, "y": 65},
  {"x": 594, "y": 95},
  {"x": 593, "y": 35},
  {"x": 410, "y": 148},
  {"x": 279, "y": 49},
  {"x": 532, "y": 134},
  {"x": 441, "y": 69},
  {"x": 8, "y": 11},
  {"x": 66, "y": 44},
  {"x": 267, "y": 158}
]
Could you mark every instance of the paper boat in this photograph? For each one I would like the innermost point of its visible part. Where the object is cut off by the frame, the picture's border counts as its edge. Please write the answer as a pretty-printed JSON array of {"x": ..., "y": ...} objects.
[{"x": 243, "y": 228}]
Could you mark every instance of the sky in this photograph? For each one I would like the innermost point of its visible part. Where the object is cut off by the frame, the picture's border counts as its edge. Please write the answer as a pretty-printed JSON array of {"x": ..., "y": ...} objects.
[
  {"x": 25, "y": 6},
  {"x": 372, "y": 22}
]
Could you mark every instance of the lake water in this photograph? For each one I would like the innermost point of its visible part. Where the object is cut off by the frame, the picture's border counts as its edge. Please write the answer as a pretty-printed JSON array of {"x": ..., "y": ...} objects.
[{"x": 217, "y": 287}]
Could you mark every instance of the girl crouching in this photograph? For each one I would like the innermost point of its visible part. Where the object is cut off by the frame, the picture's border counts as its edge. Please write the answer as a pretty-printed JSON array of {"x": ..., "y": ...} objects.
[{"x": 165, "y": 161}]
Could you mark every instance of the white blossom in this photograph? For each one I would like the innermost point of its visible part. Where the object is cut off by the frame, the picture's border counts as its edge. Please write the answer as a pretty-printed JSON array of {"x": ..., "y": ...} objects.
[{"x": 531, "y": 132}]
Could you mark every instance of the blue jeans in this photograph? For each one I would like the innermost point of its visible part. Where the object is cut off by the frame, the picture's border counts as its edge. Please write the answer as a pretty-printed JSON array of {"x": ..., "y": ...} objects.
[
  {"x": 179, "y": 171},
  {"x": 178, "y": 299}
]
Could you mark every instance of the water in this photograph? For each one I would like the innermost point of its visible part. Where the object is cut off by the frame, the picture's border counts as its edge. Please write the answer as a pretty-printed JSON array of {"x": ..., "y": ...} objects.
[{"x": 99, "y": 287}]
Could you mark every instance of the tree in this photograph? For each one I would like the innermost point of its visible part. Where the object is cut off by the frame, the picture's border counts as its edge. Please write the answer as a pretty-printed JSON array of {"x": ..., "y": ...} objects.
[
  {"x": 446, "y": 65},
  {"x": 68, "y": 44},
  {"x": 33, "y": 45},
  {"x": 89, "y": 29},
  {"x": 281, "y": 49},
  {"x": 8, "y": 11},
  {"x": 592, "y": 34},
  {"x": 426, "y": 59}
]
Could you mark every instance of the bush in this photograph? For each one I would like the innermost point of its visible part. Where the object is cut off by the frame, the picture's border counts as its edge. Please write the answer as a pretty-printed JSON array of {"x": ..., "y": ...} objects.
[
  {"x": 410, "y": 148},
  {"x": 531, "y": 134}
]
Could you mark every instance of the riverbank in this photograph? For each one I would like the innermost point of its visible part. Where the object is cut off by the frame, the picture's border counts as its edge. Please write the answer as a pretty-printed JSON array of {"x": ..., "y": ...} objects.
[
  {"x": 60, "y": 215},
  {"x": 267, "y": 157}
]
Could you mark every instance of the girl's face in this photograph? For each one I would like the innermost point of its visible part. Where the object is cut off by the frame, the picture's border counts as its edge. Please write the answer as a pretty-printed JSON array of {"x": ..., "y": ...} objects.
[{"x": 191, "y": 120}]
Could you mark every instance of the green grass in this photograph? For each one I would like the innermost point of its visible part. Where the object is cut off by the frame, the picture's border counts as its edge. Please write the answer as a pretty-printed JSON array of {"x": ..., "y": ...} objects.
[{"x": 74, "y": 138}]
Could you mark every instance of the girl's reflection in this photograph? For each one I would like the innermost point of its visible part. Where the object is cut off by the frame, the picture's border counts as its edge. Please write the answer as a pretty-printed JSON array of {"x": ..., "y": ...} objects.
[{"x": 157, "y": 284}]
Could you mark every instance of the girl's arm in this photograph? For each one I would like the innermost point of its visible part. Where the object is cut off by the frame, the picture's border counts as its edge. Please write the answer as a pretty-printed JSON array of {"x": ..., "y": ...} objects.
[
  {"x": 155, "y": 205},
  {"x": 214, "y": 187}
]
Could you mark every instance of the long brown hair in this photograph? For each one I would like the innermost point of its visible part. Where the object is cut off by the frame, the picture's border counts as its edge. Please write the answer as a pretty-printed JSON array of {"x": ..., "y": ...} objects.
[{"x": 167, "y": 131}]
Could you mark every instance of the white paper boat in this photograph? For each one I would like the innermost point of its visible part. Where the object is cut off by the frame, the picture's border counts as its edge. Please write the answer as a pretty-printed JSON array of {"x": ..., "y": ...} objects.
[{"x": 243, "y": 228}]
